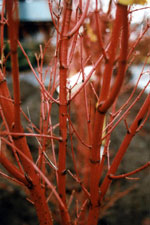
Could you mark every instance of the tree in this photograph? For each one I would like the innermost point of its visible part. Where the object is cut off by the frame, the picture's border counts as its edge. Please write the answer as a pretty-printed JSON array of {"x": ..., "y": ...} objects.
[{"x": 91, "y": 97}]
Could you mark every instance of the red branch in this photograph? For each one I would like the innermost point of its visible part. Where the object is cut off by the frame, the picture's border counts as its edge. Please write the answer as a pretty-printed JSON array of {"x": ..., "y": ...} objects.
[
  {"x": 13, "y": 24},
  {"x": 63, "y": 56},
  {"x": 120, "y": 21},
  {"x": 124, "y": 145},
  {"x": 79, "y": 23},
  {"x": 113, "y": 177}
]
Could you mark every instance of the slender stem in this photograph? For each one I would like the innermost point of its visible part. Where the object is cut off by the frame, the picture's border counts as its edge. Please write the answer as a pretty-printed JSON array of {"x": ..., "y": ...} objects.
[
  {"x": 51, "y": 12},
  {"x": 10, "y": 138},
  {"x": 13, "y": 170},
  {"x": 79, "y": 23},
  {"x": 99, "y": 32},
  {"x": 43, "y": 135},
  {"x": 138, "y": 40},
  {"x": 13, "y": 24},
  {"x": 45, "y": 92},
  {"x": 11, "y": 178},
  {"x": 113, "y": 177},
  {"x": 123, "y": 148},
  {"x": 63, "y": 56},
  {"x": 2, "y": 30},
  {"x": 126, "y": 112}
]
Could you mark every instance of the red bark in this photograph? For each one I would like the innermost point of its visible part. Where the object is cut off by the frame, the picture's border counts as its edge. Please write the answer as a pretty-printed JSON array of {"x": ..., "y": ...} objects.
[
  {"x": 120, "y": 21},
  {"x": 63, "y": 56}
]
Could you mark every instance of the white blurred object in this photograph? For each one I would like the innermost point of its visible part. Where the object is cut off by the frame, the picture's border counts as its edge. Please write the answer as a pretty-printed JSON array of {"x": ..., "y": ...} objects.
[
  {"x": 101, "y": 151},
  {"x": 74, "y": 82},
  {"x": 145, "y": 78}
]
